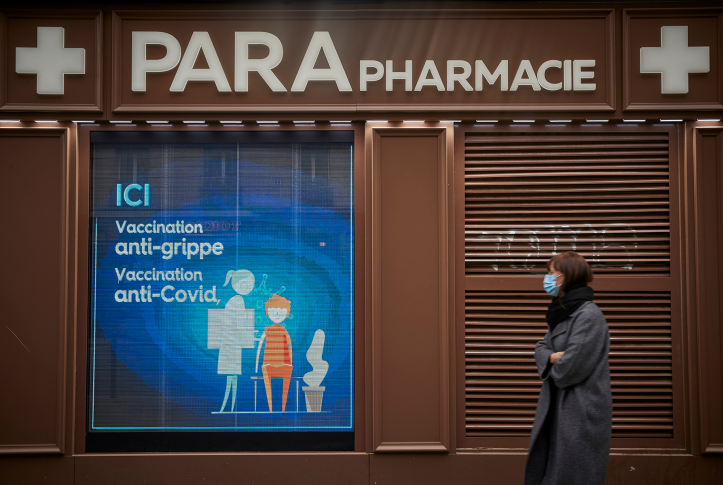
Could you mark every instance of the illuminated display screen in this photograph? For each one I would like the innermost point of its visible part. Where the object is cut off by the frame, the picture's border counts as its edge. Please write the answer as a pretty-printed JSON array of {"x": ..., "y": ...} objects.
[{"x": 221, "y": 291}]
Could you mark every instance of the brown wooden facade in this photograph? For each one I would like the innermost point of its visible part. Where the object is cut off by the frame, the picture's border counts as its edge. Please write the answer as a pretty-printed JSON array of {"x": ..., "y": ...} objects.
[{"x": 452, "y": 212}]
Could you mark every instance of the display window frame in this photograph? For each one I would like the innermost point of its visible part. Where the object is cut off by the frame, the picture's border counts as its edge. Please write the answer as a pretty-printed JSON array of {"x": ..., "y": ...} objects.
[{"x": 82, "y": 280}]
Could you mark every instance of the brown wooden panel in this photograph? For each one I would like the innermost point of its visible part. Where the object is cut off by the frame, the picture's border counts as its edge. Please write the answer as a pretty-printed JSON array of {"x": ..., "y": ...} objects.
[
  {"x": 360, "y": 283},
  {"x": 654, "y": 469},
  {"x": 172, "y": 469},
  {"x": 641, "y": 28},
  {"x": 410, "y": 290},
  {"x": 490, "y": 36},
  {"x": 294, "y": 28},
  {"x": 32, "y": 347},
  {"x": 31, "y": 470},
  {"x": 83, "y": 92},
  {"x": 501, "y": 469},
  {"x": 709, "y": 228},
  {"x": 372, "y": 34}
]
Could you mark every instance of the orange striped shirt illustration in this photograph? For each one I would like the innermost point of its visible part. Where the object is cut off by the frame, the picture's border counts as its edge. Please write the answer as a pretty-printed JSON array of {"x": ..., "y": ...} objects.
[{"x": 278, "y": 346}]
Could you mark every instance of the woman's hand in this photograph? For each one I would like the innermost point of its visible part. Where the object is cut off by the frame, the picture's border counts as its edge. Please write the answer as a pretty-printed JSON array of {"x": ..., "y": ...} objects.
[{"x": 555, "y": 357}]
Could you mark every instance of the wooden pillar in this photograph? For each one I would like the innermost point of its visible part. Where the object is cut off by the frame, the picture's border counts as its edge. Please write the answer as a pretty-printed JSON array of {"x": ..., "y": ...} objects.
[
  {"x": 37, "y": 327},
  {"x": 708, "y": 347},
  {"x": 411, "y": 172}
]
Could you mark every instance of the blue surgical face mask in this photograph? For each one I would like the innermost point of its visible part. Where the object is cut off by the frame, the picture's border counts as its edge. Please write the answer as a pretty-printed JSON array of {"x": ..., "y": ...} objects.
[{"x": 550, "y": 286}]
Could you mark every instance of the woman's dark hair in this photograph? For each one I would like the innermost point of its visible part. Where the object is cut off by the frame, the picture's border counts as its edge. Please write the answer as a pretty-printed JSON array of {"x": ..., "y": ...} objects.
[{"x": 576, "y": 270}]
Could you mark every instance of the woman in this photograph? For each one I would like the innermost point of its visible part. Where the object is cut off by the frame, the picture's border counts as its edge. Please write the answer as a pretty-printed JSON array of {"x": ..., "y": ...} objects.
[{"x": 570, "y": 439}]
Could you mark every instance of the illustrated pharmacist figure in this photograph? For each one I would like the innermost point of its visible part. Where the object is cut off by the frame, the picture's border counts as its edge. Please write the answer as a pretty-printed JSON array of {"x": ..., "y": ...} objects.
[
  {"x": 232, "y": 329},
  {"x": 278, "y": 356}
]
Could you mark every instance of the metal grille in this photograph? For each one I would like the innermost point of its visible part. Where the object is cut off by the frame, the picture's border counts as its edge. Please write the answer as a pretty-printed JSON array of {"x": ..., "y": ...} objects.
[
  {"x": 529, "y": 196},
  {"x": 501, "y": 381}
]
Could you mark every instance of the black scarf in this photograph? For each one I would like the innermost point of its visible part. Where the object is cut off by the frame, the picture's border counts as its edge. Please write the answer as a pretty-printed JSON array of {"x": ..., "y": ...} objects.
[{"x": 562, "y": 307}]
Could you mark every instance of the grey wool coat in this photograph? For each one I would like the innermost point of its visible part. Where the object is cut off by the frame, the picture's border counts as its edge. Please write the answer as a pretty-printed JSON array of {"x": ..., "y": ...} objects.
[{"x": 570, "y": 440}]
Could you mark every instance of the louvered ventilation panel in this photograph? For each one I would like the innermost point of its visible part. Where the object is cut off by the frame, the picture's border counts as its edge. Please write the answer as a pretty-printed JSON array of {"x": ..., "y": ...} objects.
[
  {"x": 605, "y": 196},
  {"x": 501, "y": 381}
]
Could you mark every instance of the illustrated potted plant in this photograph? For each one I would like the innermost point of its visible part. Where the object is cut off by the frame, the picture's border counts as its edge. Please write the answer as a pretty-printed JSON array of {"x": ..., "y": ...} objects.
[{"x": 314, "y": 391}]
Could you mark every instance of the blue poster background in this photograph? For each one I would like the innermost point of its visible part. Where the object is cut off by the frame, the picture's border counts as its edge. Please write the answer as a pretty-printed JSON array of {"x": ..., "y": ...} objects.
[{"x": 283, "y": 212}]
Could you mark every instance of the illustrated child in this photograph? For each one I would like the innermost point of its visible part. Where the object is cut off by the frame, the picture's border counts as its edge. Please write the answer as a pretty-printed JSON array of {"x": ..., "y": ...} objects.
[
  {"x": 230, "y": 338},
  {"x": 278, "y": 356}
]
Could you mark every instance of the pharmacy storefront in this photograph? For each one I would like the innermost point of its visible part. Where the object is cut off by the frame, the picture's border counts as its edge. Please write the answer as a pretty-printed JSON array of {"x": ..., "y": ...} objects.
[{"x": 308, "y": 245}]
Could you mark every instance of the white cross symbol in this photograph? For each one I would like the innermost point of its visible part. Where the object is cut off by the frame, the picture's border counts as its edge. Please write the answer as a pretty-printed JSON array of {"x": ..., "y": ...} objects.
[
  {"x": 51, "y": 60},
  {"x": 674, "y": 60}
]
